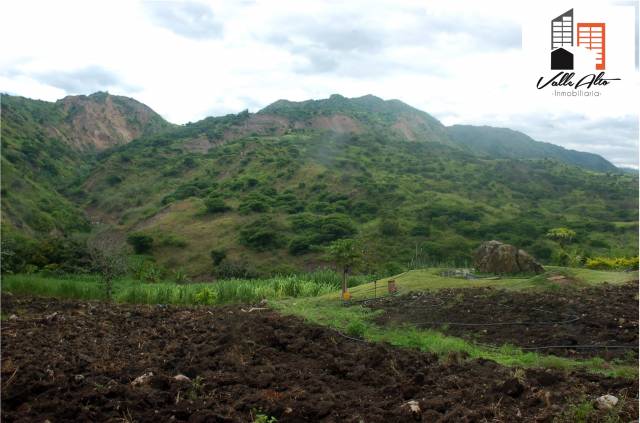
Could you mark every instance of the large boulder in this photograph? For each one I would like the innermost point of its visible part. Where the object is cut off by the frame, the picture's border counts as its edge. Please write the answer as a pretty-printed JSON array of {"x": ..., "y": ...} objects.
[{"x": 497, "y": 257}]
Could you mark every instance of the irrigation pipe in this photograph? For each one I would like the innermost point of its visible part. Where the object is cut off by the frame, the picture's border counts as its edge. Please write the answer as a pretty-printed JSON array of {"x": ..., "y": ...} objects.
[
  {"x": 560, "y": 322},
  {"x": 547, "y": 347}
]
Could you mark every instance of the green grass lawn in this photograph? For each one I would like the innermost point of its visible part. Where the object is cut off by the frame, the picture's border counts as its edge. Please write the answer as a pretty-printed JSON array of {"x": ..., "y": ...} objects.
[{"x": 429, "y": 279}]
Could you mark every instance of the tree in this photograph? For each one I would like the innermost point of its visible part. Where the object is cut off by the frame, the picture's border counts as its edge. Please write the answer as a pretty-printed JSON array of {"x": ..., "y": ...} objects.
[
  {"x": 108, "y": 260},
  {"x": 140, "y": 242},
  {"x": 216, "y": 205},
  {"x": 346, "y": 254},
  {"x": 562, "y": 235}
]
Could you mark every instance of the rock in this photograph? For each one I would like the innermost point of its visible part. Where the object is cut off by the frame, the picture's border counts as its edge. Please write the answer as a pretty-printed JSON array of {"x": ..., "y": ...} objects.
[
  {"x": 606, "y": 402},
  {"x": 181, "y": 378},
  {"x": 13, "y": 317},
  {"x": 142, "y": 380},
  {"x": 412, "y": 408},
  {"x": 497, "y": 257},
  {"x": 79, "y": 378}
]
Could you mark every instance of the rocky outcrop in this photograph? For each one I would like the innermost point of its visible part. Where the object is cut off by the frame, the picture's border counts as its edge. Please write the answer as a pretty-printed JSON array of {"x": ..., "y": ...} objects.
[
  {"x": 500, "y": 258},
  {"x": 101, "y": 120}
]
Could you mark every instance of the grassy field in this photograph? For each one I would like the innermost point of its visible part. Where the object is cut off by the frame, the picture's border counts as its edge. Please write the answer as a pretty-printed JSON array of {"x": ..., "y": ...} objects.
[
  {"x": 315, "y": 297},
  {"x": 428, "y": 279}
]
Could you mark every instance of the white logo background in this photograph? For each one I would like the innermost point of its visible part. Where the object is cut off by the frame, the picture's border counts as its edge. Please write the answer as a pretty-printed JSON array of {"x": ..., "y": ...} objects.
[{"x": 618, "y": 96}]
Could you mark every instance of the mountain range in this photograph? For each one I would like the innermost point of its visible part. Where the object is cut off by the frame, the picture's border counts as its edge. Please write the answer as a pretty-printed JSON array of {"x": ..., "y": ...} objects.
[{"x": 267, "y": 191}]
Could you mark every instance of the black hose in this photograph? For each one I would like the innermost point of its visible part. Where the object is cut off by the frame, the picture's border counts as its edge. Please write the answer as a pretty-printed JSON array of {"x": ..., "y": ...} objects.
[
  {"x": 547, "y": 347},
  {"x": 560, "y": 322}
]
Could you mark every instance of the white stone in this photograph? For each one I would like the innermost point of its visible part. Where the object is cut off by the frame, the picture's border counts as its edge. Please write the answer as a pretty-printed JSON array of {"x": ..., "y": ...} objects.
[
  {"x": 142, "y": 380},
  {"x": 606, "y": 402},
  {"x": 182, "y": 378}
]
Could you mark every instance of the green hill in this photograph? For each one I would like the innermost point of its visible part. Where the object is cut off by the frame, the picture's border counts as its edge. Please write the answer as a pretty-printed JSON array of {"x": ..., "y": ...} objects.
[
  {"x": 507, "y": 143},
  {"x": 266, "y": 192},
  {"x": 49, "y": 148}
]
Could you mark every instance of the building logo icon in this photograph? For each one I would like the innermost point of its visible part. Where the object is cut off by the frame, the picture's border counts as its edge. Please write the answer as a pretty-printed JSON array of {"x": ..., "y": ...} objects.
[{"x": 589, "y": 35}]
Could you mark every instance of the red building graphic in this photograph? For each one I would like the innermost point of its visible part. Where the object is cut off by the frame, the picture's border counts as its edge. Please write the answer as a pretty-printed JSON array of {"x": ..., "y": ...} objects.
[{"x": 592, "y": 36}]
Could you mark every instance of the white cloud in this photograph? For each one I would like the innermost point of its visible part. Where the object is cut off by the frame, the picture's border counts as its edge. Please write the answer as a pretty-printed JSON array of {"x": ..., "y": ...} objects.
[{"x": 459, "y": 61}]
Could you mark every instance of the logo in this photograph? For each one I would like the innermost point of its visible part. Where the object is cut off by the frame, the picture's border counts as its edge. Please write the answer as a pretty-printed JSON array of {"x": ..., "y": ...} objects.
[{"x": 590, "y": 38}]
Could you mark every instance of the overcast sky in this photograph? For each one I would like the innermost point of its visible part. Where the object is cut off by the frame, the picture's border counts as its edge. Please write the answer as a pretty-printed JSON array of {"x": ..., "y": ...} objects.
[{"x": 456, "y": 60}]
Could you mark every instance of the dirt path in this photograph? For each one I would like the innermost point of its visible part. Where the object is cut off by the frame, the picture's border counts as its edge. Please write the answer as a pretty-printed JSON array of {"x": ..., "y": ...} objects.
[
  {"x": 604, "y": 315},
  {"x": 76, "y": 361}
]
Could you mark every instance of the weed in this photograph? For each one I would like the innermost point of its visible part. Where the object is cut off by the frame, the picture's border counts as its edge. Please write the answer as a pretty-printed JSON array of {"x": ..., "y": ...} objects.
[
  {"x": 196, "y": 389},
  {"x": 260, "y": 417}
]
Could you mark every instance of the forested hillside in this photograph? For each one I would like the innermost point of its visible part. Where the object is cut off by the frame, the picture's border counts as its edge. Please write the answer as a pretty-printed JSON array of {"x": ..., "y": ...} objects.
[{"x": 267, "y": 192}]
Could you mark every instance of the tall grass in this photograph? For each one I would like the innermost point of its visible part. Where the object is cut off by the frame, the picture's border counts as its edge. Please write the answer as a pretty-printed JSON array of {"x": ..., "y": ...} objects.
[
  {"x": 135, "y": 292},
  {"x": 84, "y": 287}
]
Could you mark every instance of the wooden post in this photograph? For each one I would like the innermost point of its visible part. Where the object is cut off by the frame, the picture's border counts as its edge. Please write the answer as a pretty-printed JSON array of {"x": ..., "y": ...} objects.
[{"x": 392, "y": 286}]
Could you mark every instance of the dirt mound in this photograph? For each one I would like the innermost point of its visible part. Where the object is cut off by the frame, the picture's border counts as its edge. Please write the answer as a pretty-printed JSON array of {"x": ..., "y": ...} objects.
[
  {"x": 604, "y": 315},
  {"x": 76, "y": 361}
]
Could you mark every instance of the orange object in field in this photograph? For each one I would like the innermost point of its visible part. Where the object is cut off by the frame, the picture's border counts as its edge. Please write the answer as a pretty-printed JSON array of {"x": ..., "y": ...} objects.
[
  {"x": 392, "y": 286},
  {"x": 346, "y": 295}
]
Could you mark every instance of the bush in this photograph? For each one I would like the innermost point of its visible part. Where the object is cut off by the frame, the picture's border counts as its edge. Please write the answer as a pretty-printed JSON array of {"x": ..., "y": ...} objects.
[
  {"x": 216, "y": 205},
  {"x": 261, "y": 235},
  {"x": 612, "y": 263},
  {"x": 231, "y": 269},
  {"x": 299, "y": 246},
  {"x": 256, "y": 204},
  {"x": 140, "y": 242},
  {"x": 113, "y": 180},
  {"x": 323, "y": 229},
  {"x": 217, "y": 256},
  {"x": 389, "y": 227},
  {"x": 420, "y": 230}
]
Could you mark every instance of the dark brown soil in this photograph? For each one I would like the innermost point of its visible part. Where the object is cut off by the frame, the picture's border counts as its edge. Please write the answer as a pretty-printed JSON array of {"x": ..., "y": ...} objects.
[
  {"x": 78, "y": 365},
  {"x": 571, "y": 317}
]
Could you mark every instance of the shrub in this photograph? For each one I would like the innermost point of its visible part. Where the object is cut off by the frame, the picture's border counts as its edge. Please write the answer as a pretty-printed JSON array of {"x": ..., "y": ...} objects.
[
  {"x": 256, "y": 204},
  {"x": 420, "y": 230},
  {"x": 113, "y": 180},
  {"x": 612, "y": 263},
  {"x": 299, "y": 246},
  {"x": 389, "y": 227},
  {"x": 261, "y": 235},
  {"x": 562, "y": 235},
  {"x": 140, "y": 242},
  {"x": 216, "y": 205},
  {"x": 231, "y": 269},
  {"x": 217, "y": 256},
  {"x": 171, "y": 240}
]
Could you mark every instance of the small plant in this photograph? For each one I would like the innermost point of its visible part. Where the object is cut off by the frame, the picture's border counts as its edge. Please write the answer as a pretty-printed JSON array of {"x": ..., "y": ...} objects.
[
  {"x": 205, "y": 296},
  {"x": 196, "y": 389},
  {"x": 576, "y": 413},
  {"x": 520, "y": 375},
  {"x": 356, "y": 328},
  {"x": 180, "y": 277},
  {"x": 260, "y": 417}
]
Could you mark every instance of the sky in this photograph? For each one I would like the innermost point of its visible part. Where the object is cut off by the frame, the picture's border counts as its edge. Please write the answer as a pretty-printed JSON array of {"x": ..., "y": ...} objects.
[{"x": 460, "y": 61}]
